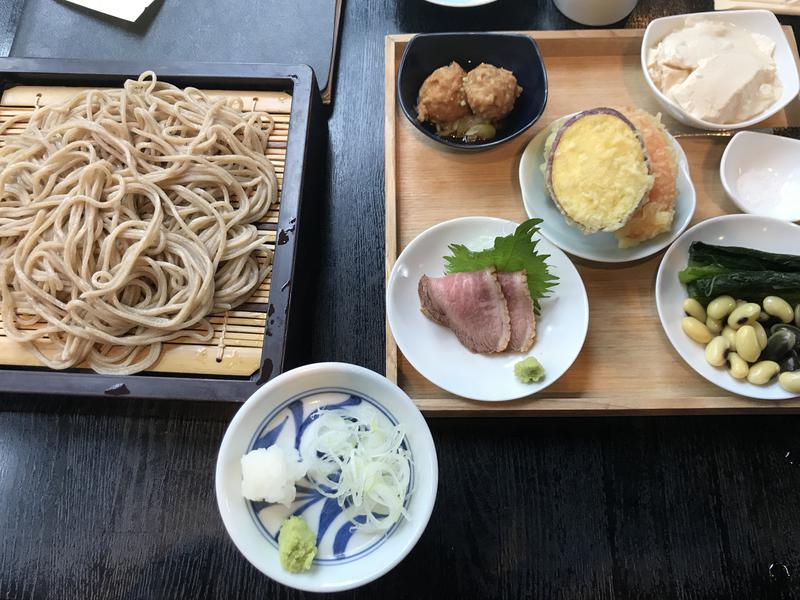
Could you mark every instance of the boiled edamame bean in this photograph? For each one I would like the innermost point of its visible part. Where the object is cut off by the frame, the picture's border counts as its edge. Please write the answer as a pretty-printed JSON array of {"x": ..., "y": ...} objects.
[
  {"x": 694, "y": 309},
  {"x": 716, "y": 350},
  {"x": 696, "y": 330},
  {"x": 747, "y": 344},
  {"x": 761, "y": 335},
  {"x": 730, "y": 335},
  {"x": 721, "y": 307},
  {"x": 761, "y": 372},
  {"x": 790, "y": 381},
  {"x": 714, "y": 326},
  {"x": 778, "y": 307},
  {"x": 797, "y": 315},
  {"x": 738, "y": 366},
  {"x": 746, "y": 314}
]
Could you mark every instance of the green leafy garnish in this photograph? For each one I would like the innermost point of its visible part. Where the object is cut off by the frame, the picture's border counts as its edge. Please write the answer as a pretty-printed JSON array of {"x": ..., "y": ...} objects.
[{"x": 511, "y": 253}]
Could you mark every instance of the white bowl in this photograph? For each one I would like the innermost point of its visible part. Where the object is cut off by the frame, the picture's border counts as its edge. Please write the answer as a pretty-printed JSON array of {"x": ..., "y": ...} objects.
[
  {"x": 749, "y": 231},
  {"x": 434, "y": 350},
  {"x": 461, "y": 3},
  {"x": 754, "y": 21},
  {"x": 761, "y": 174},
  {"x": 595, "y": 12},
  {"x": 275, "y": 413},
  {"x": 600, "y": 247}
]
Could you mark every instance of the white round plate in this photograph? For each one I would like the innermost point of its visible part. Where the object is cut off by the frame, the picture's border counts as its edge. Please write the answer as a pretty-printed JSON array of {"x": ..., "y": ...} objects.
[
  {"x": 434, "y": 350},
  {"x": 600, "y": 247},
  {"x": 279, "y": 412},
  {"x": 748, "y": 231}
]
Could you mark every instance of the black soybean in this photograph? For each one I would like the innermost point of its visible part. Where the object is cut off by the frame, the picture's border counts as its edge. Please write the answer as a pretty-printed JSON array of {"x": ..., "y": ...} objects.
[
  {"x": 780, "y": 343},
  {"x": 790, "y": 362},
  {"x": 778, "y": 326}
]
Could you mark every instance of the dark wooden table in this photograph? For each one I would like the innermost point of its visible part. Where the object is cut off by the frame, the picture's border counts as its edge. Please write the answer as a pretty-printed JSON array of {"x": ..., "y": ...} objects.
[{"x": 115, "y": 499}]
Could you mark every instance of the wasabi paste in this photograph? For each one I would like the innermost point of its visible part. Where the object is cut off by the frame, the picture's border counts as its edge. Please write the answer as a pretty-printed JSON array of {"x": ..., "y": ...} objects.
[
  {"x": 296, "y": 545},
  {"x": 529, "y": 370}
]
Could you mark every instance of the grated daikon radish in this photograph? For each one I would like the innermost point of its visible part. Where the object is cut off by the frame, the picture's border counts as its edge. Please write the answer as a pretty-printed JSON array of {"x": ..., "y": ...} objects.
[
  {"x": 355, "y": 456},
  {"x": 270, "y": 474}
]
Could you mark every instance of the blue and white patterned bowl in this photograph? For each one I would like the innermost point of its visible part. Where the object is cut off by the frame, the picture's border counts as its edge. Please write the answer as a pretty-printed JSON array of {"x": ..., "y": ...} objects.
[{"x": 280, "y": 412}]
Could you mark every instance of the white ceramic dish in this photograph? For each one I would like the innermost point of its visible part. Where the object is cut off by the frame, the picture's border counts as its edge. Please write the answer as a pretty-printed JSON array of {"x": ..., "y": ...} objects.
[
  {"x": 751, "y": 231},
  {"x": 275, "y": 413},
  {"x": 461, "y": 3},
  {"x": 600, "y": 247},
  {"x": 761, "y": 174},
  {"x": 755, "y": 21},
  {"x": 595, "y": 12},
  {"x": 434, "y": 351}
]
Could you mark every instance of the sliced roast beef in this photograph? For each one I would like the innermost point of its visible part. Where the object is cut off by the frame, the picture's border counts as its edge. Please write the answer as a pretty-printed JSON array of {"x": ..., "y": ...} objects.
[
  {"x": 520, "y": 309},
  {"x": 472, "y": 305}
]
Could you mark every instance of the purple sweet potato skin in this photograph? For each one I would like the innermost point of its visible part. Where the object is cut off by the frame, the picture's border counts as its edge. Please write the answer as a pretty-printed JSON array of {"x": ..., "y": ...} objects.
[{"x": 566, "y": 125}]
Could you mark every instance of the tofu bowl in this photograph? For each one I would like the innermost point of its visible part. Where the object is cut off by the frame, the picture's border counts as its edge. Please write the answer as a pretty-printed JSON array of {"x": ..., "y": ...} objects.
[{"x": 761, "y": 22}]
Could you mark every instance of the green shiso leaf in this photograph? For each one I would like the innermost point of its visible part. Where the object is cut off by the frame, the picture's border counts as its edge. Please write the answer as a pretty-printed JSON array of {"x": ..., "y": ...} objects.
[{"x": 515, "y": 252}]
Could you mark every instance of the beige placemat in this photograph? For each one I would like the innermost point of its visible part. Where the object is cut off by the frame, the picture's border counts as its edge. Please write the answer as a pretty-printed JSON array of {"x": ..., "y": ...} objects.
[{"x": 779, "y": 7}]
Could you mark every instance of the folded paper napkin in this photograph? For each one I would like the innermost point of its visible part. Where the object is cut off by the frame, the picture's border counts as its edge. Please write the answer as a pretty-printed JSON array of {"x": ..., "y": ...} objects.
[
  {"x": 130, "y": 10},
  {"x": 779, "y": 7}
]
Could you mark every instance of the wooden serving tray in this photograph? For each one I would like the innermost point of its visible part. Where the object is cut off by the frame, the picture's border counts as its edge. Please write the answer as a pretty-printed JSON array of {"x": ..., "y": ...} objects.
[{"x": 627, "y": 364}]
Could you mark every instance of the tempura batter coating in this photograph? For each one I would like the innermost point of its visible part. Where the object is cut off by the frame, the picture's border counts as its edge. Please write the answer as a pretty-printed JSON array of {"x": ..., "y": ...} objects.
[
  {"x": 657, "y": 212},
  {"x": 441, "y": 97},
  {"x": 491, "y": 91}
]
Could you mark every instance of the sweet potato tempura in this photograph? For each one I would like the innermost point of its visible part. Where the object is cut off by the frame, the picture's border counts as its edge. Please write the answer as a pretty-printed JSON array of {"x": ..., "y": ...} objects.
[{"x": 655, "y": 216}]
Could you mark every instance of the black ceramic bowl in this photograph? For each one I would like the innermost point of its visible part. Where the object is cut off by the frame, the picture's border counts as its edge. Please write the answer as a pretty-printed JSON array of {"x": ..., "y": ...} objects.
[{"x": 517, "y": 53}]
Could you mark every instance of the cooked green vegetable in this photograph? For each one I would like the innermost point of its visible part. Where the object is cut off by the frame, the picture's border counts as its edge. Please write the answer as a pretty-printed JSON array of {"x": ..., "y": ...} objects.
[
  {"x": 734, "y": 258},
  {"x": 740, "y": 272},
  {"x": 748, "y": 285},
  {"x": 515, "y": 252},
  {"x": 481, "y": 131}
]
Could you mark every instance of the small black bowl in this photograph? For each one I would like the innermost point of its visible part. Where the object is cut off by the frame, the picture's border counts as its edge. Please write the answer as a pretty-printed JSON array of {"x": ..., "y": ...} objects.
[{"x": 518, "y": 53}]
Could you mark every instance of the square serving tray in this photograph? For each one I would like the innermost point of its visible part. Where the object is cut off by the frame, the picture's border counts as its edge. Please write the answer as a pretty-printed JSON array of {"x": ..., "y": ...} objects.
[
  {"x": 259, "y": 339},
  {"x": 627, "y": 365}
]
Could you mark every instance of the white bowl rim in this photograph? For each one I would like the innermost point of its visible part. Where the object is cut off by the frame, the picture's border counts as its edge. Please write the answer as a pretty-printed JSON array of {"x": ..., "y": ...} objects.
[
  {"x": 422, "y": 513},
  {"x": 661, "y": 309},
  {"x": 457, "y": 4},
  {"x": 723, "y": 164},
  {"x": 739, "y": 15}
]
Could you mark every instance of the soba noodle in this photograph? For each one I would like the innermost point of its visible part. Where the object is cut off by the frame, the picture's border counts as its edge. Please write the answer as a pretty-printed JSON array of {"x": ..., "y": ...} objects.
[{"x": 126, "y": 218}]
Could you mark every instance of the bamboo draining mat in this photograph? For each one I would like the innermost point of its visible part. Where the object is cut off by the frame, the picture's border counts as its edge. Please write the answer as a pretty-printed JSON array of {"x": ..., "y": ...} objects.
[
  {"x": 239, "y": 335},
  {"x": 627, "y": 364}
]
